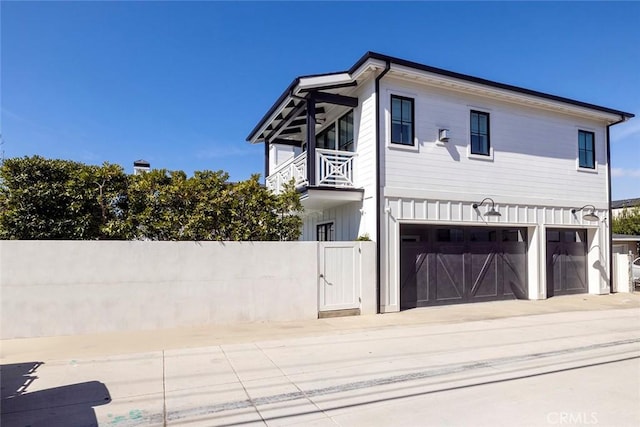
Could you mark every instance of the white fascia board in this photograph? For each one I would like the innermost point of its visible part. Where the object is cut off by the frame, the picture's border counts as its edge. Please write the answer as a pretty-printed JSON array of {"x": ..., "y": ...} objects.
[
  {"x": 370, "y": 64},
  {"x": 319, "y": 81},
  {"x": 501, "y": 94}
]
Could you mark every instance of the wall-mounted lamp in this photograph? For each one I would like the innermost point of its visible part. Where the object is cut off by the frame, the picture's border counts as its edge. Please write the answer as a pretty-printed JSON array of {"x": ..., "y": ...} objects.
[
  {"x": 589, "y": 216},
  {"x": 443, "y": 135},
  {"x": 492, "y": 211}
]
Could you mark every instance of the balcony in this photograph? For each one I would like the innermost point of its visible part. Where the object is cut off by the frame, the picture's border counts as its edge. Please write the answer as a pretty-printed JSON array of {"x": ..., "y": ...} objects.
[
  {"x": 333, "y": 169},
  {"x": 333, "y": 175}
]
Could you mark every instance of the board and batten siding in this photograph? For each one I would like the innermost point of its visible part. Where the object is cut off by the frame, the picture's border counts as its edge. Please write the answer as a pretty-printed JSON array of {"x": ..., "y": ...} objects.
[
  {"x": 533, "y": 160},
  {"x": 346, "y": 221},
  {"x": 536, "y": 219}
]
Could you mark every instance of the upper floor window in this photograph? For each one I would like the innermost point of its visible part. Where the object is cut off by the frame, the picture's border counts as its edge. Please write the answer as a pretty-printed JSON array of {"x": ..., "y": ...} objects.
[
  {"x": 402, "y": 120},
  {"x": 327, "y": 138},
  {"x": 586, "y": 147},
  {"x": 344, "y": 141},
  {"x": 480, "y": 143},
  {"x": 345, "y": 132}
]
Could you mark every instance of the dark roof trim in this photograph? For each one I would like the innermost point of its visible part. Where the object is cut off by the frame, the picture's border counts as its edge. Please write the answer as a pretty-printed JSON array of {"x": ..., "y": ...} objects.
[
  {"x": 440, "y": 71},
  {"x": 626, "y": 203}
]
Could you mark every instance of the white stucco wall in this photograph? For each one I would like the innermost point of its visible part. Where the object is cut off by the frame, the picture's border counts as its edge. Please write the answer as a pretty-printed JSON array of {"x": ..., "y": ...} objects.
[{"x": 53, "y": 288}]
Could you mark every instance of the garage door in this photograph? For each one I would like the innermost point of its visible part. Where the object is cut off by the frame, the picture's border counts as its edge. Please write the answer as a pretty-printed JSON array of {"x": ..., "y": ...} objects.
[
  {"x": 566, "y": 262},
  {"x": 444, "y": 265}
]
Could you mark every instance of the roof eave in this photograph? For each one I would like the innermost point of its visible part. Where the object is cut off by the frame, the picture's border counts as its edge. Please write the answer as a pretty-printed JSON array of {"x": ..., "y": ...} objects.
[
  {"x": 376, "y": 58},
  {"x": 491, "y": 83},
  {"x": 302, "y": 83}
]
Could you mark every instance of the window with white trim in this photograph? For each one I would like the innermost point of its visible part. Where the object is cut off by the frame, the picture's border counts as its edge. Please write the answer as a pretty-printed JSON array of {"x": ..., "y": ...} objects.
[
  {"x": 586, "y": 149},
  {"x": 402, "y": 120},
  {"x": 480, "y": 143}
]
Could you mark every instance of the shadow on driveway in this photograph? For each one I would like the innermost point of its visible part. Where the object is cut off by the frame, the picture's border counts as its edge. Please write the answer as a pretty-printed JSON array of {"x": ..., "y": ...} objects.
[{"x": 69, "y": 406}]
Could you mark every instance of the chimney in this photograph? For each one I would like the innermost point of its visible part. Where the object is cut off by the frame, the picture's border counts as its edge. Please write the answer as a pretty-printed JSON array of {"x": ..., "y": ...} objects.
[{"x": 141, "y": 166}]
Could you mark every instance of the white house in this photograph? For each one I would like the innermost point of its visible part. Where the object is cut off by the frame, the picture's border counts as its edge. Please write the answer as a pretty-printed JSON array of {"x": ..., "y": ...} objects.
[{"x": 473, "y": 190}]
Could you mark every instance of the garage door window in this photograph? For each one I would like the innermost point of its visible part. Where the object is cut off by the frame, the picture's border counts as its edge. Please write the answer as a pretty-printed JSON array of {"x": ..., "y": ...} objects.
[
  {"x": 450, "y": 235},
  {"x": 573, "y": 236},
  {"x": 482, "y": 235},
  {"x": 512, "y": 236},
  {"x": 553, "y": 236}
]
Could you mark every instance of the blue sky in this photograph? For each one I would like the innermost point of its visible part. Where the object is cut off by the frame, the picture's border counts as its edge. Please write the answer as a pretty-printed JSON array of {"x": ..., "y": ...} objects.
[{"x": 182, "y": 84}]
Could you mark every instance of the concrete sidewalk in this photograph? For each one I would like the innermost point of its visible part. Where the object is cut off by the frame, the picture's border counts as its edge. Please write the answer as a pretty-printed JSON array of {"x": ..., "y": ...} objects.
[
  {"x": 504, "y": 363},
  {"x": 106, "y": 344}
]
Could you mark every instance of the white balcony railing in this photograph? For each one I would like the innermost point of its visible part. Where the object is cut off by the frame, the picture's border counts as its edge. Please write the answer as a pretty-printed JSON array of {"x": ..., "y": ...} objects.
[
  {"x": 333, "y": 169},
  {"x": 295, "y": 168}
]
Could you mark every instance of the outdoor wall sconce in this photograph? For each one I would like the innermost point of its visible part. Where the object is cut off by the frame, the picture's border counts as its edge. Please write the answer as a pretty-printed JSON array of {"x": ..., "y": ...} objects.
[
  {"x": 589, "y": 216},
  {"x": 443, "y": 135},
  {"x": 492, "y": 211}
]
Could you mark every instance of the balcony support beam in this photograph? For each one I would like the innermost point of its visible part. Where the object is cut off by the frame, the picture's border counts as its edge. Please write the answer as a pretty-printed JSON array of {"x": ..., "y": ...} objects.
[
  {"x": 311, "y": 141},
  {"x": 333, "y": 98},
  {"x": 267, "y": 144}
]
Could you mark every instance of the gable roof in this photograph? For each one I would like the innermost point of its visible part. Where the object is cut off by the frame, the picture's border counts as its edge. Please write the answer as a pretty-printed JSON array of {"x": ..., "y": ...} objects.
[
  {"x": 333, "y": 80},
  {"x": 625, "y": 203}
]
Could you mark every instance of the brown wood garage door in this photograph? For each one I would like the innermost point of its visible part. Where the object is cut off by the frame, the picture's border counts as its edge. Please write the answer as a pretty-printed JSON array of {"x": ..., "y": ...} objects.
[
  {"x": 566, "y": 262},
  {"x": 445, "y": 265}
]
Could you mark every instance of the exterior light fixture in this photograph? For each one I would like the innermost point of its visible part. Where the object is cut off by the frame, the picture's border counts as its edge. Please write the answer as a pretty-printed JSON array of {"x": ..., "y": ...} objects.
[
  {"x": 589, "y": 216},
  {"x": 492, "y": 211},
  {"x": 443, "y": 135}
]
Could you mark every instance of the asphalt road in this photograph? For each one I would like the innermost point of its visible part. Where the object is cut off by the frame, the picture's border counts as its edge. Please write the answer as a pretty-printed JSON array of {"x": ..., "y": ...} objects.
[{"x": 579, "y": 367}]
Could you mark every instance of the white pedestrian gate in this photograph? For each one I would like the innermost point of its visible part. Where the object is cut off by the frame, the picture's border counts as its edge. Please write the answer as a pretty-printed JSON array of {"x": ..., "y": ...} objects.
[
  {"x": 622, "y": 276},
  {"x": 339, "y": 276}
]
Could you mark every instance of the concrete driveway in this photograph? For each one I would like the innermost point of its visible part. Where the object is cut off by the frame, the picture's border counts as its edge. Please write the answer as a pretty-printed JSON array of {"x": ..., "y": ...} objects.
[{"x": 564, "y": 361}]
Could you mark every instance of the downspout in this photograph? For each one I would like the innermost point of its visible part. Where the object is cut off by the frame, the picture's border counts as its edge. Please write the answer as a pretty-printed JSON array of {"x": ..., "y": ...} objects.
[
  {"x": 379, "y": 194},
  {"x": 610, "y": 218}
]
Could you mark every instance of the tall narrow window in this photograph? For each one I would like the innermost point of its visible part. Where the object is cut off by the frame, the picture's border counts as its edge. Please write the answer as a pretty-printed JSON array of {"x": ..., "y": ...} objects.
[
  {"x": 401, "y": 120},
  {"x": 325, "y": 232},
  {"x": 586, "y": 153},
  {"x": 327, "y": 138},
  {"x": 345, "y": 132},
  {"x": 480, "y": 133}
]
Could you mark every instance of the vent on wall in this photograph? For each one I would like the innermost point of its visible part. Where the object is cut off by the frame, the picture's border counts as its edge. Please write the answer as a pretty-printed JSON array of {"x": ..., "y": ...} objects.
[{"x": 443, "y": 135}]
